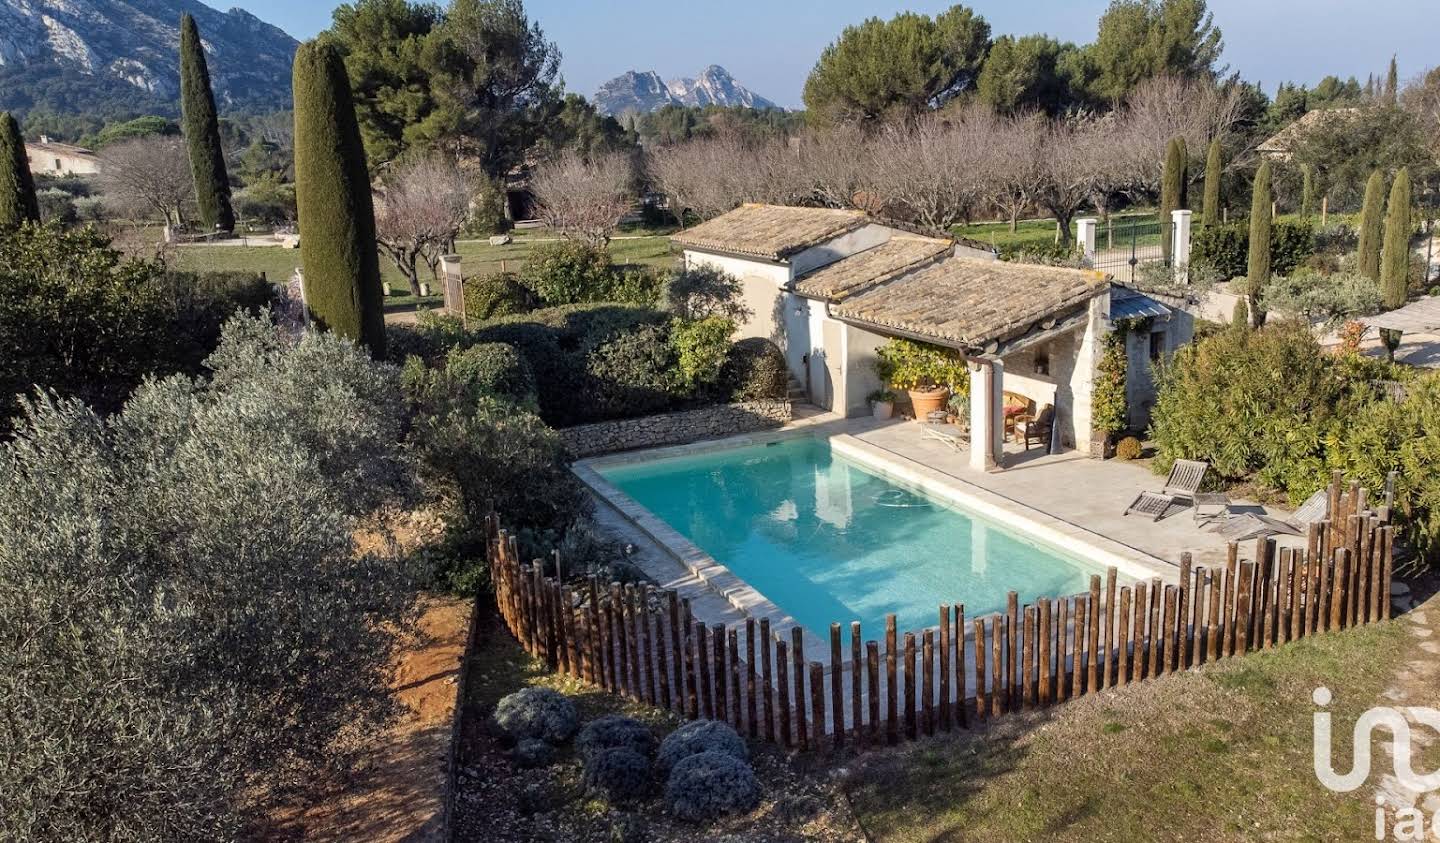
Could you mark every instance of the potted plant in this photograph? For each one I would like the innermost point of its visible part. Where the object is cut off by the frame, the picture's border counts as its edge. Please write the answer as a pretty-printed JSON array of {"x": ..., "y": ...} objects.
[
  {"x": 960, "y": 409},
  {"x": 926, "y": 372},
  {"x": 882, "y": 403}
]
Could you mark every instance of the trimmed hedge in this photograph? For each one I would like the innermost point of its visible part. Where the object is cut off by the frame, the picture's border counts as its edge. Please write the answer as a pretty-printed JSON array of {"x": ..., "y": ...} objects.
[
  {"x": 755, "y": 370},
  {"x": 701, "y": 736},
  {"x": 709, "y": 785},
  {"x": 618, "y": 774},
  {"x": 501, "y": 294},
  {"x": 537, "y": 714},
  {"x": 1225, "y": 248},
  {"x": 615, "y": 731}
]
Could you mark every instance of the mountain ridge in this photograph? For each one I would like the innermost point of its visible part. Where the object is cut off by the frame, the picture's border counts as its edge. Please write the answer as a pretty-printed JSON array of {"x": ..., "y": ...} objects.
[
  {"x": 64, "y": 54},
  {"x": 645, "y": 91}
]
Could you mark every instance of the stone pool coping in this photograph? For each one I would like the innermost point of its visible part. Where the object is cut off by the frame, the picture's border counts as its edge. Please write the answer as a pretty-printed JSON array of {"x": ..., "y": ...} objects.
[{"x": 1132, "y": 565}]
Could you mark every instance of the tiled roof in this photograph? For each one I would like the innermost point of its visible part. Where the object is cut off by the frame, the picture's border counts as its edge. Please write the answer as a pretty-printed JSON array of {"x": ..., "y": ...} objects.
[
  {"x": 773, "y": 232},
  {"x": 863, "y": 270},
  {"x": 1284, "y": 141},
  {"x": 970, "y": 303},
  {"x": 59, "y": 148}
]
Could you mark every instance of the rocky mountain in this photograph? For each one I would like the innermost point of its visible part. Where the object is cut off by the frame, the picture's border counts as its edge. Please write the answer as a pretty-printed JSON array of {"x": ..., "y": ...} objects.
[
  {"x": 635, "y": 91},
  {"x": 62, "y": 54}
]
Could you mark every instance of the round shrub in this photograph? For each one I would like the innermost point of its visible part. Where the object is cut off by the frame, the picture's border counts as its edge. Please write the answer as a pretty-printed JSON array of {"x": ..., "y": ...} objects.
[
  {"x": 532, "y": 752},
  {"x": 699, "y": 737},
  {"x": 754, "y": 370},
  {"x": 538, "y": 713},
  {"x": 492, "y": 368},
  {"x": 618, "y": 774},
  {"x": 1128, "y": 448},
  {"x": 710, "y": 785},
  {"x": 616, "y": 732},
  {"x": 568, "y": 272},
  {"x": 631, "y": 374},
  {"x": 501, "y": 294}
]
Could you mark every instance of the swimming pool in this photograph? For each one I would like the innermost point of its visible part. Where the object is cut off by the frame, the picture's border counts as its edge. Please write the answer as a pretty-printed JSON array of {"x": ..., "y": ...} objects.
[{"x": 827, "y": 539}]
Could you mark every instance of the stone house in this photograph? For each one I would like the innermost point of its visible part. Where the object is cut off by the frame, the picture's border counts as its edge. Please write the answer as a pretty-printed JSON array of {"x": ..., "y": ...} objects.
[
  {"x": 48, "y": 158},
  {"x": 829, "y": 287}
]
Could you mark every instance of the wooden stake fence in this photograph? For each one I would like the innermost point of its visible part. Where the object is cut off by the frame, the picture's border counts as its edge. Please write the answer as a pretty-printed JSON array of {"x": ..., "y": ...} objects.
[{"x": 644, "y": 643}]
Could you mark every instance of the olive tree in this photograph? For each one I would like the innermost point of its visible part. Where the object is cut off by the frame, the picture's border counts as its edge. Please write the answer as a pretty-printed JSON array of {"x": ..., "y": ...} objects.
[
  {"x": 149, "y": 177},
  {"x": 419, "y": 212},
  {"x": 585, "y": 198},
  {"x": 188, "y": 631}
]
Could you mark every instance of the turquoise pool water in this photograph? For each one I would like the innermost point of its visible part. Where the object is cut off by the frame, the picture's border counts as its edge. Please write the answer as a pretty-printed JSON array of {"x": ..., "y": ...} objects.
[{"x": 827, "y": 540}]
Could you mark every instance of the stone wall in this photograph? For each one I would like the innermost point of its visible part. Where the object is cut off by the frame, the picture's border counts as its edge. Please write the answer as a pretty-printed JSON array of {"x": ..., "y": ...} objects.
[{"x": 715, "y": 422}]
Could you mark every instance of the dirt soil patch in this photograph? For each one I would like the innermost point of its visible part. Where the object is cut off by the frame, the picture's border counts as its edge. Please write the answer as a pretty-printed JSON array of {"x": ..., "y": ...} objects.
[
  {"x": 397, "y": 793},
  {"x": 496, "y": 800}
]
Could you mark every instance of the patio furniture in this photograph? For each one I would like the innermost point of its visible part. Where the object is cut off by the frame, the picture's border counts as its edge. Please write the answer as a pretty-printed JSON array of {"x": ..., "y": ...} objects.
[
  {"x": 1036, "y": 429},
  {"x": 1252, "y": 525},
  {"x": 1180, "y": 489},
  {"x": 1215, "y": 499},
  {"x": 1015, "y": 406}
]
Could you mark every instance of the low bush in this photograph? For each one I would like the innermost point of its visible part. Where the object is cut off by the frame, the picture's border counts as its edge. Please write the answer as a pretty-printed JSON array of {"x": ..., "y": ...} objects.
[
  {"x": 633, "y": 374},
  {"x": 635, "y": 285},
  {"x": 1128, "y": 449},
  {"x": 1328, "y": 298},
  {"x": 710, "y": 785},
  {"x": 568, "y": 272},
  {"x": 755, "y": 370},
  {"x": 500, "y": 294},
  {"x": 430, "y": 338},
  {"x": 700, "y": 349},
  {"x": 701, "y": 736},
  {"x": 614, "y": 731},
  {"x": 537, "y": 714},
  {"x": 618, "y": 774},
  {"x": 494, "y": 369},
  {"x": 533, "y": 752}
]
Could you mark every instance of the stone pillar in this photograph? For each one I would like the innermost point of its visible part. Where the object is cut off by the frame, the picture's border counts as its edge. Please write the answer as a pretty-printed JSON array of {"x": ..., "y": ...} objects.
[
  {"x": 986, "y": 414},
  {"x": 1180, "y": 244},
  {"x": 1085, "y": 235}
]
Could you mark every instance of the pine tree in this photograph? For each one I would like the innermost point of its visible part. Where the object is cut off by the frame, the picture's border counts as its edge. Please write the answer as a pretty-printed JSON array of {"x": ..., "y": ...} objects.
[
  {"x": 336, "y": 210},
  {"x": 1210, "y": 209},
  {"x": 1370, "y": 226},
  {"x": 1307, "y": 191},
  {"x": 1395, "y": 263},
  {"x": 1258, "y": 267},
  {"x": 202, "y": 132},
  {"x": 1172, "y": 189},
  {"x": 17, "y": 187}
]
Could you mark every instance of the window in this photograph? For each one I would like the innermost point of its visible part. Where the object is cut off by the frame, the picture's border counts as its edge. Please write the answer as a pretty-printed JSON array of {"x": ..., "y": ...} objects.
[
  {"x": 1157, "y": 345},
  {"x": 57, "y": 165},
  {"x": 1042, "y": 362}
]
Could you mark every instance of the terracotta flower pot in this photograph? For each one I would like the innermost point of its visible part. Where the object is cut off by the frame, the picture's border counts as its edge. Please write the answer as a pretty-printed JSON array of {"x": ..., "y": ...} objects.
[
  {"x": 882, "y": 409},
  {"x": 925, "y": 402}
]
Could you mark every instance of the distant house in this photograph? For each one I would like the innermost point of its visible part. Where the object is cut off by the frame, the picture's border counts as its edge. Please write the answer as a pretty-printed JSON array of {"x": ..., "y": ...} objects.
[
  {"x": 48, "y": 158},
  {"x": 831, "y": 286},
  {"x": 1281, "y": 145}
]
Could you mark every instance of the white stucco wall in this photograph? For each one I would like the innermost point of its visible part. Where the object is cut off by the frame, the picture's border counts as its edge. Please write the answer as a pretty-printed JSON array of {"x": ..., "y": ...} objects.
[
  {"x": 866, "y": 237},
  {"x": 1087, "y": 362},
  {"x": 762, "y": 285}
]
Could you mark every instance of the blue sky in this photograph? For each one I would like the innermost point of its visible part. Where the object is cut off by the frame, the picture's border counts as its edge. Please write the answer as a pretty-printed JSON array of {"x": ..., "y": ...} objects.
[{"x": 770, "y": 45}]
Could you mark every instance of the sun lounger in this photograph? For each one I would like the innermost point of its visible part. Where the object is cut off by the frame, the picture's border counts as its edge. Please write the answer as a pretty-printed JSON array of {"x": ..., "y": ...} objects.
[
  {"x": 1250, "y": 525},
  {"x": 1180, "y": 488}
]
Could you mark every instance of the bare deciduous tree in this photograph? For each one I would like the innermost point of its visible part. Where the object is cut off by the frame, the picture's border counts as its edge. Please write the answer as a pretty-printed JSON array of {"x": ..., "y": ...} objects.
[
  {"x": 1013, "y": 160},
  {"x": 419, "y": 211},
  {"x": 585, "y": 199},
  {"x": 148, "y": 177},
  {"x": 1165, "y": 107}
]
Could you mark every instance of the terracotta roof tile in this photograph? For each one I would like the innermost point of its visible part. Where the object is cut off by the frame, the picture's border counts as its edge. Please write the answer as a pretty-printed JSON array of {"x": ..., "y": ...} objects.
[
  {"x": 969, "y": 302},
  {"x": 773, "y": 232},
  {"x": 863, "y": 270}
]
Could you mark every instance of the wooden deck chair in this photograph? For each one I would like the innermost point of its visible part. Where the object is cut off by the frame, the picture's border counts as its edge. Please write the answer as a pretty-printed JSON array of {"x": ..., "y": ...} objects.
[
  {"x": 1180, "y": 488},
  {"x": 1239, "y": 528},
  {"x": 1038, "y": 429}
]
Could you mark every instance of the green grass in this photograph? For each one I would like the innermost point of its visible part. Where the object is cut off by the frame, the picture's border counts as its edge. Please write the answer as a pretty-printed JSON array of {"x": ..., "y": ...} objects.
[
  {"x": 1032, "y": 234},
  {"x": 1222, "y": 753},
  {"x": 478, "y": 257}
]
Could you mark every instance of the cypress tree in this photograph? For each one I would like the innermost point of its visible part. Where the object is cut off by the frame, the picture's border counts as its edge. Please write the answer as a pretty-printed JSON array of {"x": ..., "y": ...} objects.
[
  {"x": 1392, "y": 84},
  {"x": 202, "y": 132},
  {"x": 1258, "y": 267},
  {"x": 332, "y": 192},
  {"x": 1395, "y": 264},
  {"x": 17, "y": 187},
  {"x": 1172, "y": 189},
  {"x": 1307, "y": 191},
  {"x": 1370, "y": 226},
  {"x": 1210, "y": 209}
]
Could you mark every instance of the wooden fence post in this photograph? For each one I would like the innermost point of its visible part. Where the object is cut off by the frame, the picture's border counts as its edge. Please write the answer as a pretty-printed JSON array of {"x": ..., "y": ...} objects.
[
  {"x": 797, "y": 652},
  {"x": 767, "y": 688},
  {"x": 1077, "y": 655},
  {"x": 1197, "y": 615},
  {"x": 737, "y": 715},
  {"x": 1029, "y": 662},
  {"x": 751, "y": 710},
  {"x": 872, "y": 688},
  {"x": 1337, "y": 588},
  {"x": 998, "y": 693},
  {"x": 703, "y": 688},
  {"x": 1092, "y": 667},
  {"x": 1062, "y": 649},
  {"x": 1182, "y": 615},
  {"x": 1242, "y": 608},
  {"x": 856, "y": 715},
  {"x": 1387, "y": 568},
  {"x": 1012, "y": 653},
  {"x": 909, "y": 677},
  {"x": 927, "y": 685},
  {"x": 677, "y": 659},
  {"x": 945, "y": 713},
  {"x": 982, "y": 699},
  {"x": 717, "y": 636},
  {"x": 1044, "y": 654},
  {"x": 892, "y": 712},
  {"x": 1122, "y": 670},
  {"x": 782, "y": 691},
  {"x": 817, "y": 706},
  {"x": 1108, "y": 654},
  {"x": 962, "y": 717}
]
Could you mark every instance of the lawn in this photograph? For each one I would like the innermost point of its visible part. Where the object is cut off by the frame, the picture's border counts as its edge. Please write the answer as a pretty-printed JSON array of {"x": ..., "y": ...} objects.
[
  {"x": 1220, "y": 753},
  {"x": 478, "y": 257}
]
